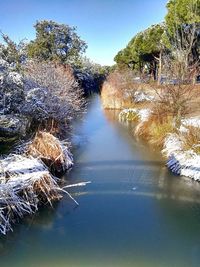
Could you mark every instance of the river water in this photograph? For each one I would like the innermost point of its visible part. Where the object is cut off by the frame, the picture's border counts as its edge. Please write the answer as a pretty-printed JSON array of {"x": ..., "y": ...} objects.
[{"x": 134, "y": 212}]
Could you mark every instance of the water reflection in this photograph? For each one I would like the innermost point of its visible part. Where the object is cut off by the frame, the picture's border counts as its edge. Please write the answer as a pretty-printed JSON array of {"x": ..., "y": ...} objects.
[{"x": 134, "y": 213}]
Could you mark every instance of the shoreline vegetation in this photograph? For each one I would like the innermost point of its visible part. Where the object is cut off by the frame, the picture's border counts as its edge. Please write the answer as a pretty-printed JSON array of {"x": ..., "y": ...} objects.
[
  {"x": 155, "y": 84},
  {"x": 44, "y": 86},
  {"x": 153, "y": 111}
]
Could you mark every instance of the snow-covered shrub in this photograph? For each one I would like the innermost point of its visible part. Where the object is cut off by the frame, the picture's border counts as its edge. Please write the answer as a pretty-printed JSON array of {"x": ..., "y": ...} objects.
[
  {"x": 51, "y": 92},
  {"x": 11, "y": 89}
]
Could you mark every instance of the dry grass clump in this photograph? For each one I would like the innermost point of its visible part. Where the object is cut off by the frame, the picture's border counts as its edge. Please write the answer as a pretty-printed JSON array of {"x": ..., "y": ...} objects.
[
  {"x": 52, "y": 152},
  {"x": 24, "y": 183},
  {"x": 118, "y": 90},
  {"x": 191, "y": 139},
  {"x": 155, "y": 130},
  {"x": 122, "y": 79},
  {"x": 129, "y": 115}
]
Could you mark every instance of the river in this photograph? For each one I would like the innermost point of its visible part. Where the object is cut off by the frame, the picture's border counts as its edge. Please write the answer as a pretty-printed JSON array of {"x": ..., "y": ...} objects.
[{"x": 134, "y": 212}]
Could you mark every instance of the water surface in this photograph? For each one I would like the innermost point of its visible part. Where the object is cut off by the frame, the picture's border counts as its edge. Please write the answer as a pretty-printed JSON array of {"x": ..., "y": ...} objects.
[{"x": 134, "y": 213}]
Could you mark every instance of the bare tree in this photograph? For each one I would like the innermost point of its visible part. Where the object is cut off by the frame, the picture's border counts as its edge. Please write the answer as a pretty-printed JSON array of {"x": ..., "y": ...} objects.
[{"x": 174, "y": 101}]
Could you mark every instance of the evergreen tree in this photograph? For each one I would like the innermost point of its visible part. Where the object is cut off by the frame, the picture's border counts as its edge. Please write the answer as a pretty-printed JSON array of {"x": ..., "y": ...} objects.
[{"x": 56, "y": 42}]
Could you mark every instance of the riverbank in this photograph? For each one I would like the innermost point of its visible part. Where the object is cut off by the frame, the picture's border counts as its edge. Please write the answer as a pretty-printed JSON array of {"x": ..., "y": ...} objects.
[
  {"x": 180, "y": 160},
  {"x": 28, "y": 179},
  {"x": 132, "y": 198},
  {"x": 38, "y": 104},
  {"x": 166, "y": 116}
]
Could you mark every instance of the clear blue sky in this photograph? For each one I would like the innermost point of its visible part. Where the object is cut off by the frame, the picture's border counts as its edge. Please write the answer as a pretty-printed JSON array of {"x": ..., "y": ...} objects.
[{"x": 106, "y": 25}]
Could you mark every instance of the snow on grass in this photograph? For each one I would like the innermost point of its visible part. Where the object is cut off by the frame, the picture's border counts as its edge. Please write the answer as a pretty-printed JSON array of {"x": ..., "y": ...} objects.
[
  {"x": 194, "y": 121},
  {"x": 134, "y": 114},
  {"x": 181, "y": 162},
  {"x": 140, "y": 96},
  {"x": 185, "y": 123},
  {"x": 23, "y": 182},
  {"x": 26, "y": 180}
]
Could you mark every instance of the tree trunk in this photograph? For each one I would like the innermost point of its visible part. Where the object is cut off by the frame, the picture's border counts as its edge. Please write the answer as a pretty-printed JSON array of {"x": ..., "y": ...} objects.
[
  {"x": 155, "y": 71},
  {"x": 160, "y": 68}
]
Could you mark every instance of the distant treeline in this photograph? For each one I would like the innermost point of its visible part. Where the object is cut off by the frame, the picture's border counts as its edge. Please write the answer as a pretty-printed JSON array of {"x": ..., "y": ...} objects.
[
  {"x": 177, "y": 39},
  {"x": 58, "y": 44}
]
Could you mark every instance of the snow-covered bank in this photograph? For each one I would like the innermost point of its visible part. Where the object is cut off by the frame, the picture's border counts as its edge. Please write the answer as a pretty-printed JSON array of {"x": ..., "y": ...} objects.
[
  {"x": 26, "y": 180},
  {"x": 194, "y": 122},
  {"x": 179, "y": 161}
]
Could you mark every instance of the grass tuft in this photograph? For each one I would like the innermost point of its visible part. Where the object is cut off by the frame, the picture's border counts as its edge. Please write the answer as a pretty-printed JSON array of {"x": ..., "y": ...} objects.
[
  {"x": 155, "y": 130},
  {"x": 191, "y": 139},
  {"x": 51, "y": 151},
  {"x": 129, "y": 115}
]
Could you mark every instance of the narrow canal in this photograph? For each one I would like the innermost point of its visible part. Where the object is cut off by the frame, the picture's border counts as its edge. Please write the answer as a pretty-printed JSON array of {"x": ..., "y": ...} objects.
[{"x": 134, "y": 212}]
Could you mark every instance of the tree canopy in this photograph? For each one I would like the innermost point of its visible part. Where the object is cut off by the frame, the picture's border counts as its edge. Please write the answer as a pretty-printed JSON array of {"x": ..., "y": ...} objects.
[
  {"x": 142, "y": 49},
  {"x": 55, "y": 41},
  {"x": 182, "y": 12},
  {"x": 179, "y": 35}
]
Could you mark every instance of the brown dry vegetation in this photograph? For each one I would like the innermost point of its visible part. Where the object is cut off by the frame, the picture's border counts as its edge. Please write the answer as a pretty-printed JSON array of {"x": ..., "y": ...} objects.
[
  {"x": 173, "y": 102},
  {"x": 51, "y": 151},
  {"x": 118, "y": 89},
  {"x": 191, "y": 139},
  {"x": 155, "y": 129}
]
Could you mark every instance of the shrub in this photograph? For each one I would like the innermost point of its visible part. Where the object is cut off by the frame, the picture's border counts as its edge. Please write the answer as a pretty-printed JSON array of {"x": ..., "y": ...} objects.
[
  {"x": 11, "y": 89},
  {"x": 118, "y": 90},
  {"x": 128, "y": 115},
  {"x": 191, "y": 139},
  {"x": 155, "y": 130},
  {"x": 52, "y": 92},
  {"x": 52, "y": 152},
  {"x": 175, "y": 100}
]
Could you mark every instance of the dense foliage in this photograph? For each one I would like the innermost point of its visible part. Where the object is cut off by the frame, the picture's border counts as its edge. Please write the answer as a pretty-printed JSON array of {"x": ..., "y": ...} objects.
[
  {"x": 178, "y": 39},
  {"x": 143, "y": 49},
  {"x": 44, "y": 81},
  {"x": 58, "y": 42}
]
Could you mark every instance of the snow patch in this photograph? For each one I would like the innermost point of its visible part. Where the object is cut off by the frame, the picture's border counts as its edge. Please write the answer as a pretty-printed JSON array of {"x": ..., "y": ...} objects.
[
  {"x": 194, "y": 121},
  {"x": 141, "y": 96},
  {"x": 143, "y": 114},
  {"x": 181, "y": 162}
]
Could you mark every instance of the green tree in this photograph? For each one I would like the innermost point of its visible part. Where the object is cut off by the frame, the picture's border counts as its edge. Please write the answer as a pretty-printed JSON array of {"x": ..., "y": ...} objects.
[
  {"x": 13, "y": 53},
  {"x": 182, "y": 12},
  {"x": 56, "y": 42},
  {"x": 183, "y": 31},
  {"x": 143, "y": 51}
]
